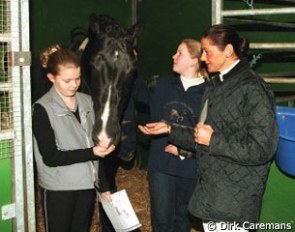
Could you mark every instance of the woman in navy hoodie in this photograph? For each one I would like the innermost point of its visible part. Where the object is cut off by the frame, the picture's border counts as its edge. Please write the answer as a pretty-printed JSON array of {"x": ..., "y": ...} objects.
[{"x": 172, "y": 170}]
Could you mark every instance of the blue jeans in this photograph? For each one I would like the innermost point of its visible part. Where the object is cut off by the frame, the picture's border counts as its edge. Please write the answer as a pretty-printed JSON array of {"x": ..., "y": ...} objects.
[{"x": 170, "y": 196}]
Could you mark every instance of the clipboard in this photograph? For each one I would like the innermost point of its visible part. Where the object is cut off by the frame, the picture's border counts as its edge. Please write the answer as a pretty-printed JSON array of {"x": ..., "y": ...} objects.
[{"x": 120, "y": 212}]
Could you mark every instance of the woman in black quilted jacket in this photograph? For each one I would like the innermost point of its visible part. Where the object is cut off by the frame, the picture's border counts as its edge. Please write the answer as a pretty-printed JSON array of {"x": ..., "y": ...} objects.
[{"x": 235, "y": 139}]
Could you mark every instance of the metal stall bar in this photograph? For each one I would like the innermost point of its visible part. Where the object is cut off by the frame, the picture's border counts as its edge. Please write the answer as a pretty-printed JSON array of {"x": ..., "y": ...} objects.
[
  {"x": 5, "y": 37},
  {"x": 218, "y": 13},
  {"x": 278, "y": 46},
  {"x": 217, "y": 8},
  {"x": 24, "y": 61},
  {"x": 282, "y": 80},
  {"x": 265, "y": 11},
  {"x": 133, "y": 11},
  {"x": 14, "y": 37},
  {"x": 18, "y": 185}
]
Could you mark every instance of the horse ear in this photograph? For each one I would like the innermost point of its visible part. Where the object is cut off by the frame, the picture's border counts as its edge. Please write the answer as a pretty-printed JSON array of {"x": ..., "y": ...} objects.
[
  {"x": 94, "y": 27},
  {"x": 136, "y": 29}
]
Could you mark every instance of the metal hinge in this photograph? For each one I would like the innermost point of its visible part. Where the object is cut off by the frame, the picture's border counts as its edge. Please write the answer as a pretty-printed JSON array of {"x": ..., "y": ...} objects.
[
  {"x": 22, "y": 58},
  {"x": 8, "y": 211}
]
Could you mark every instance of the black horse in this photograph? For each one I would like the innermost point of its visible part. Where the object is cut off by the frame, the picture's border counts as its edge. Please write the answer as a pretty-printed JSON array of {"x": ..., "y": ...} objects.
[
  {"x": 108, "y": 68},
  {"x": 108, "y": 71}
]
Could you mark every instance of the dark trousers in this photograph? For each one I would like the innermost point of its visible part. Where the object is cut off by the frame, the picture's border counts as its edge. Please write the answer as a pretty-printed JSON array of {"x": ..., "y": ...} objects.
[
  {"x": 170, "y": 196},
  {"x": 105, "y": 223},
  {"x": 68, "y": 211},
  {"x": 111, "y": 164}
]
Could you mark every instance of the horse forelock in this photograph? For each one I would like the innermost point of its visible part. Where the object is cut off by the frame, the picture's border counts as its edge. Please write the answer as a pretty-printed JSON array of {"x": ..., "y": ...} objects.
[{"x": 115, "y": 54}]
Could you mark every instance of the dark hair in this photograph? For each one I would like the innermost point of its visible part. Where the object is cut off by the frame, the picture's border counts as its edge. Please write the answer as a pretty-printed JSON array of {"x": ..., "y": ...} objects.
[
  {"x": 54, "y": 56},
  {"x": 221, "y": 35}
]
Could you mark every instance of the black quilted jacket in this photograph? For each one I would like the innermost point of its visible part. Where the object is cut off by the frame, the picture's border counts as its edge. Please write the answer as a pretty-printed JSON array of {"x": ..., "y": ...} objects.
[{"x": 233, "y": 170}]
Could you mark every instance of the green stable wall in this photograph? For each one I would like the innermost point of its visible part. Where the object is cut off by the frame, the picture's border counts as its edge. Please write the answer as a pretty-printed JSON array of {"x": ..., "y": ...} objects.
[
  {"x": 279, "y": 198},
  {"x": 167, "y": 22},
  {"x": 6, "y": 183},
  {"x": 51, "y": 21}
]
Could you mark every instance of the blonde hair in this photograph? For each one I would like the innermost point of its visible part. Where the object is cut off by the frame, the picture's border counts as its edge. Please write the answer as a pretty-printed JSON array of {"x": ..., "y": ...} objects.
[
  {"x": 54, "y": 56},
  {"x": 195, "y": 50}
]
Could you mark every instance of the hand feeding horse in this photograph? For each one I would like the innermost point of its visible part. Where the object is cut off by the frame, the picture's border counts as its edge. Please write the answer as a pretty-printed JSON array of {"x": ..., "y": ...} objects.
[{"x": 108, "y": 66}]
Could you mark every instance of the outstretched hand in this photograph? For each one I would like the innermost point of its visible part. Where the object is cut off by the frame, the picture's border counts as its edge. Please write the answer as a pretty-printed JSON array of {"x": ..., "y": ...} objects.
[{"x": 155, "y": 128}]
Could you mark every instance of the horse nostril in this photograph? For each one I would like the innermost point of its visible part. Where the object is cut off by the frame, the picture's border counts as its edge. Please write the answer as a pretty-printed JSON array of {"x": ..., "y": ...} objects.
[{"x": 103, "y": 140}]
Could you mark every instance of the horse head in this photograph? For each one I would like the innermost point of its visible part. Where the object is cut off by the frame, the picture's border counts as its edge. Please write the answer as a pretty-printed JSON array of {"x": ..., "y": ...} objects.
[{"x": 108, "y": 66}]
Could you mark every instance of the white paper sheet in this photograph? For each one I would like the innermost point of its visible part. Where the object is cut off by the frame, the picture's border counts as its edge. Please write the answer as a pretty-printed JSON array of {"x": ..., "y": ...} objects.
[{"x": 121, "y": 212}]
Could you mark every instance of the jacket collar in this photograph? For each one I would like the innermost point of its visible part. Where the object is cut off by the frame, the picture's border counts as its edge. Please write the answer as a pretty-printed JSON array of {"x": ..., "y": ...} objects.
[
  {"x": 242, "y": 65},
  {"x": 238, "y": 68},
  {"x": 61, "y": 107}
]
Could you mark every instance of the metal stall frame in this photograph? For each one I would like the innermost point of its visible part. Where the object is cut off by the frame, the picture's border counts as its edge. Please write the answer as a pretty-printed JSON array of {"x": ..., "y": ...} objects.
[
  {"x": 23, "y": 209},
  {"x": 219, "y": 13}
]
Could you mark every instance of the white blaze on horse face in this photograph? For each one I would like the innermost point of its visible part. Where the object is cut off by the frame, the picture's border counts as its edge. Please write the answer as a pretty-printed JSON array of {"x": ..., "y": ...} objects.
[
  {"x": 116, "y": 55},
  {"x": 103, "y": 138}
]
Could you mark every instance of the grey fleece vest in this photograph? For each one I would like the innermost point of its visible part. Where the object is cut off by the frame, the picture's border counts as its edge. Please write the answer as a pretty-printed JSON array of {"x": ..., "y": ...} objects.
[{"x": 69, "y": 135}]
